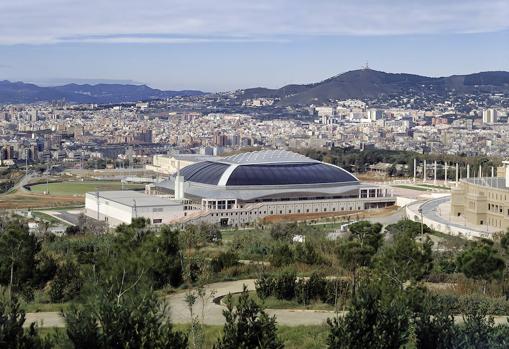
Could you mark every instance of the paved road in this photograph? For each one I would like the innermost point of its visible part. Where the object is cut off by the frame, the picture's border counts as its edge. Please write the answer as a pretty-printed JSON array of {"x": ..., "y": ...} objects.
[
  {"x": 390, "y": 219},
  {"x": 430, "y": 210},
  {"x": 20, "y": 185}
]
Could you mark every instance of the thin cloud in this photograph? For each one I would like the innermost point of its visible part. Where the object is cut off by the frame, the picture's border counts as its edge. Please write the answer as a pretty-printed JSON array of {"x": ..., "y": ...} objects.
[{"x": 203, "y": 21}]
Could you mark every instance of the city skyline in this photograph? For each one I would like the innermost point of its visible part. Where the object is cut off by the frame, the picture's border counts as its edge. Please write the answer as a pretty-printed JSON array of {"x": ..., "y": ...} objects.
[{"x": 228, "y": 45}]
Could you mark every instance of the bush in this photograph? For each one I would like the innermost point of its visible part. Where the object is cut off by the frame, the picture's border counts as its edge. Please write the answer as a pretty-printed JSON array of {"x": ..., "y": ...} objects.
[
  {"x": 311, "y": 289},
  {"x": 335, "y": 291},
  {"x": 461, "y": 304},
  {"x": 252, "y": 247},
  {"x": 302, "y": 292},
  {"x": 317, "y": 284},
  {"x": 72, "y": 230},
  {"x": 67, "y": 283},
  {"x": 283, "y": 232},
  {"x": 306, "y": 253},
  {"x": 224, "y": 260},
  {"x": 281, "y": 255},
  {"x": 284, "y": 286},
  {"x": 264, "y": 286},
  {"x": 248, "y": 326},
  {"x": 210, "y": 233}
]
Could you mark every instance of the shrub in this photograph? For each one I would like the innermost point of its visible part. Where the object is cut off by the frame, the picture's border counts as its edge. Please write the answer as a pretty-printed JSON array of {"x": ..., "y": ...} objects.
[
  {"x": 281, "y": 255},
  {"x": 317, "y": 284},
  {"x": 335, "y": 291},
  {"x": 67, "y": 283},
  {"x": 264, "y": 286},
  {"x": 312, "y": 289},
  {"x": 224, "y": 260},
  {"x": 283, "y": 232},
  {"x": 72, "y": 230},
  {"x": 248, "y": 326},
  {"x": 302, "y": 292},
  {"x": 306, "y": 253},
  {"x": 284, "y": 286},
  {"x": 210, "y": 233}
]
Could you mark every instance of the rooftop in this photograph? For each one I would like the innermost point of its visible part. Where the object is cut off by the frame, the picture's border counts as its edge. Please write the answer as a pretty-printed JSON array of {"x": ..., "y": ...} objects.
[
  {"x": 266, "y": 157},
  {"x": 132, "y": 198}
]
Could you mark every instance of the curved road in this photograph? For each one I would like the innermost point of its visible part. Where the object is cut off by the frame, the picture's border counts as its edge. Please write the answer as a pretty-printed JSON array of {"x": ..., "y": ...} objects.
[
  {"x": 213, "y": 312},
  {"x": 430, "y": 210}
]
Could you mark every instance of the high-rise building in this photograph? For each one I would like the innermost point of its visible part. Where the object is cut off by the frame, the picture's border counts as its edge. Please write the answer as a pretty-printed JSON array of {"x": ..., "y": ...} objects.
[
  {"x": 489, "y": 116},
  {"x": 374, "y": 114}
]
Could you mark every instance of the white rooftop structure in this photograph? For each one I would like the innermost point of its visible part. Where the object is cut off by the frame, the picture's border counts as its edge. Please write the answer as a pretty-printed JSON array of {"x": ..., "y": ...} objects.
[
  {"x": 266, "y": 157},
  {"x": 117, "y": 207}
]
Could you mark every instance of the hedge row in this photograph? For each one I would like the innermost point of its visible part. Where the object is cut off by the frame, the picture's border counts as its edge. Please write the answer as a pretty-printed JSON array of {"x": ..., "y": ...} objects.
[{"x": 287, "y": 286}]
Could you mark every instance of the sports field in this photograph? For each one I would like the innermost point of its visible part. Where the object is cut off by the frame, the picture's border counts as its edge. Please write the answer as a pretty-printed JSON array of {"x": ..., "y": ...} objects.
[{"x": 80, "y": 188}]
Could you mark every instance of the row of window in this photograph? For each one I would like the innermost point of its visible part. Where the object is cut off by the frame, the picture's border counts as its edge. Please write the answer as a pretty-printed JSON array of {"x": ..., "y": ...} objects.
[
  {"x": 223, "y": 214},
  {"x": 497, "y": 196},
  {"x": 308, "y": 198},
  {"x": 496, "y": 209}
]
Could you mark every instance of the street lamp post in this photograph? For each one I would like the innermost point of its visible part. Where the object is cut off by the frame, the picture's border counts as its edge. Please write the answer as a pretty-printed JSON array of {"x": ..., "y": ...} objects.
[{"x": 422, "y": 221}]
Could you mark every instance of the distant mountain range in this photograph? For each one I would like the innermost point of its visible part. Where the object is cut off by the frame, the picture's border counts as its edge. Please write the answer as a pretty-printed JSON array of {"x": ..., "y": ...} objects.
[
  {"x": 358, "y": 84},
  {"x": 20, "y": 92},
  {"x": 368, "y": 83}
]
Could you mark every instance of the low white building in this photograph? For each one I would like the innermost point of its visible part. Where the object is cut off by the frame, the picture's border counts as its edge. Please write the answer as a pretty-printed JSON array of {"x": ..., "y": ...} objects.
[{"x": 117, "y": 207}]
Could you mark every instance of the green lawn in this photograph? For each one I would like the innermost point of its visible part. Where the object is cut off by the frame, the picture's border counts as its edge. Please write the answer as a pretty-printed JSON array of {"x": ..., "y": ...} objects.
[
  {"x": 46, "y": 217},
  {"x": 274, "y": 303},
  {"x": 294, "y": 337},
  {"x": 433, "y": 186},
  {"x": 411, "y": 187},
  {"x": 44, "y": 307},
  {"x": 228, "y": 234},
  {"x": 80, "y": 188}
]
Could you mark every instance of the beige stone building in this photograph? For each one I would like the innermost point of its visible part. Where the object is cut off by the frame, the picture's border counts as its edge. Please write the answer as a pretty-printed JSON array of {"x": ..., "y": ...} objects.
[
  {"x": 170, "y": 164},
  {"x": 483, "y": 201}
]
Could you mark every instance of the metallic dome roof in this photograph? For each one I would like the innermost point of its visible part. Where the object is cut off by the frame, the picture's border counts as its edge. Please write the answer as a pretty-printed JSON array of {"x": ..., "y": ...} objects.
[{"x": 265, "y": 168}]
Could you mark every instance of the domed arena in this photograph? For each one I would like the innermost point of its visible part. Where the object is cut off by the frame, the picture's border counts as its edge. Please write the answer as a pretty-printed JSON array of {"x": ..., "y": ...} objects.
[{"x": 239, "y": 189}]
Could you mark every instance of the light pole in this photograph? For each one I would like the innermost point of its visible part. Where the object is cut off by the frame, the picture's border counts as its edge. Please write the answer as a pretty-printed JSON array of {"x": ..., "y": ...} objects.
[
  {"x": 26, "y": 162},
  {"x": 422, "y": 220}
]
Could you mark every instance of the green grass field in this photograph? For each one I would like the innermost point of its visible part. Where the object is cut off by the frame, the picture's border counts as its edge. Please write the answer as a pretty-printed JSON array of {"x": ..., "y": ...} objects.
[
  {"x": 80, "y": 188},
  {"x": 433, "y": 186},
  {"x": 294, "y": 337},
  {"x": 411, "y": 187},
  {"x": 45, "y": 217}
]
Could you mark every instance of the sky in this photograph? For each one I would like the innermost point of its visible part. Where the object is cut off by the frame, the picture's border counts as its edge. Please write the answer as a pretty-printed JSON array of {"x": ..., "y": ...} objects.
[{"x": 224, "y": 45}]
